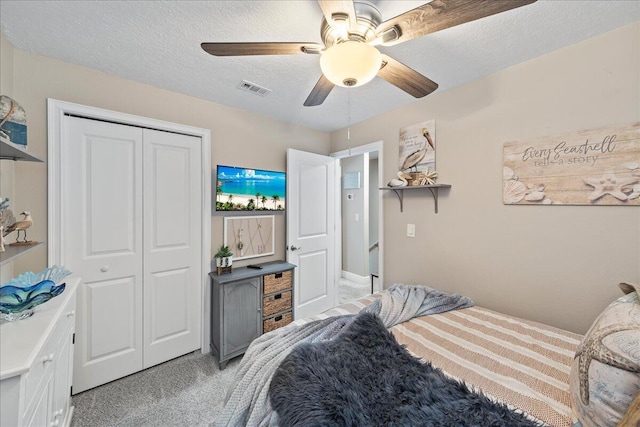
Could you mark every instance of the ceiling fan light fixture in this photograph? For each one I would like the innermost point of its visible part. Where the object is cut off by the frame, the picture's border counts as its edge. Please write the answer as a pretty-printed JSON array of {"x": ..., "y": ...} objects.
[{"x": 351, "y": 63}]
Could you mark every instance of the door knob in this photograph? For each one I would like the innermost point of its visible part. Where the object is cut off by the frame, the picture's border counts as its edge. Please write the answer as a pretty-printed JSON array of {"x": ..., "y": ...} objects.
[
  {"x": 104, "y": 269},
  {"x": 294, "y": 248}
]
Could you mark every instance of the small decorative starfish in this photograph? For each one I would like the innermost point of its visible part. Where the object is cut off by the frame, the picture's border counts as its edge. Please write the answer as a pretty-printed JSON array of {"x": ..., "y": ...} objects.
[
  {"x": 609, "y": 184},
  {"x": 593, "y": 349}
]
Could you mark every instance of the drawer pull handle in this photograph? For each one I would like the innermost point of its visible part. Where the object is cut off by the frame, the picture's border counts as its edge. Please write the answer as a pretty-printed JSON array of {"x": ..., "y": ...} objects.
[
  {"x": 55, "y": 423},
  {"x": 47, "y": 359},
  {"x": 71, "y": 313},
  {"x": 277, "y": 296},
  {"x": 277, "y": 318},
  {"x": 104, "y": 269},
  {"x": 278, "y": 275}
]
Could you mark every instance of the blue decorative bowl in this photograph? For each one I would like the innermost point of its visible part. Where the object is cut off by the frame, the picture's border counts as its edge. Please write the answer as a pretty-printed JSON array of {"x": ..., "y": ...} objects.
[{"x": 19, "y": 296}]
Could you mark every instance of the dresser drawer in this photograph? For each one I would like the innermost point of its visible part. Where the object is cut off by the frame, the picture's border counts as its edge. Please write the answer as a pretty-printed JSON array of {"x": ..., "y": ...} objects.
[
  {"x": 275, "y": 303},
  {"x": 41, "y": 368},
  {"x": 66, "y": 324},
  {"x": 276, "y": 322},
  {"x": 276, "y": 282},
  {"x": 45, "y": 360}
]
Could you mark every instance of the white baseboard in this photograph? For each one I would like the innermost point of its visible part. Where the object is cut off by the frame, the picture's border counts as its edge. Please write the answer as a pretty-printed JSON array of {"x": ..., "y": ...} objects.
[{"x": 362, "y": 280}]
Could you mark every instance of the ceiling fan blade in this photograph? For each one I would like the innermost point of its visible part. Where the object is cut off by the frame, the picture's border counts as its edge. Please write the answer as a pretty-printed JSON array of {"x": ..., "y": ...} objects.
[
  {"x": 441, "y": 14},
  {"x": 339, "y": 7},
  {"x": 319, "y": 92},
  {"x": 406, "y": 78},
  {"x": 240, "y": 49}
]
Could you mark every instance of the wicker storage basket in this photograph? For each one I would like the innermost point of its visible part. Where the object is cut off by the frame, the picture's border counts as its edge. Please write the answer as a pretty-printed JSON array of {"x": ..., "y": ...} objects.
[
  {"x": 274, "y": 303},
  {"x": 277, "y": 281},
  {"x": 276, "y": 322}
]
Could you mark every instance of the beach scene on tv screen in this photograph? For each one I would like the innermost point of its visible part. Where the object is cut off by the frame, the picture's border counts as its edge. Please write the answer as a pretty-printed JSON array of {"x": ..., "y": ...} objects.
[{"x": 243, "y": 189}]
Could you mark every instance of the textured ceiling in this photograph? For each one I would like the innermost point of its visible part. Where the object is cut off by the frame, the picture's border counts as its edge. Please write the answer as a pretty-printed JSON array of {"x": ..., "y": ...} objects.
[{"x": 158, "y": 43}]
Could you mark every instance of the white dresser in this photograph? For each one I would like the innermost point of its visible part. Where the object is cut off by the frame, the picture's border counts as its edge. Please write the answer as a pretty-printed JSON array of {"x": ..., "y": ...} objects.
[{"x": 36, "y": 364}]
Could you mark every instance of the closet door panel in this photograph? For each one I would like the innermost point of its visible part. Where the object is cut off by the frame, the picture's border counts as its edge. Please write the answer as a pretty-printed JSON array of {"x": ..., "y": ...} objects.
[
  {"x": 169, "y": 289},
  {"x": 102, "y": 243},
  {"x": 172, "y": 242},
  {"x": 112, "y": 324}
]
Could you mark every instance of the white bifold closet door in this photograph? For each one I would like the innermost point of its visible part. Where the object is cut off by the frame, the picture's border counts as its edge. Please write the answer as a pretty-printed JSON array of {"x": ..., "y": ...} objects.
[{"x": 132, "y": 207}]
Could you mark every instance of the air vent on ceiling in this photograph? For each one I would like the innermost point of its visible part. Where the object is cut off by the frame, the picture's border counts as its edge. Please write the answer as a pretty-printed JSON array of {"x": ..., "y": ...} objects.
[{"x": 254, "y": 88}]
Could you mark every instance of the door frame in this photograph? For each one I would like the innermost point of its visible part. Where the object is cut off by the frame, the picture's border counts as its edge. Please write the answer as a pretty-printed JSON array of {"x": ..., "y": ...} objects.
[
  {"x": 361, "y": 149},
  {"x": 56, "y": 110}
]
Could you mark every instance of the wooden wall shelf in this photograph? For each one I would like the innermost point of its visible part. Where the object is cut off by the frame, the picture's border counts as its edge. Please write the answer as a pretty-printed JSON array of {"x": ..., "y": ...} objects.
[
  {"x": 15, "y": 152},
  {"x": 10, "y": 151},
  {"x": 13, "y": 252},
  {"x": 433, "y": 189}
]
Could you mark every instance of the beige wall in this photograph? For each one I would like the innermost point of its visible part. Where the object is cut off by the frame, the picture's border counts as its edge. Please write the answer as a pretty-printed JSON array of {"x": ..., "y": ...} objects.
[
  {"x": 237, "y": 137},
  {"x": 374, "y": 223},
  {"x": 6, "y": 67},
  {"x": 354, "y": 239},
  {"x": 6, "y": 166},
  {"x": 555, "y": 264}
]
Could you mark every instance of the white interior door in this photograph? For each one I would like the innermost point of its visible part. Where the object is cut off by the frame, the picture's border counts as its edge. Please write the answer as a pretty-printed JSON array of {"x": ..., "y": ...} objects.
[
  {"x": 311, "y": 234},
  {"x": 172, "y": 242},
  {"x": 102, "y": 230}
]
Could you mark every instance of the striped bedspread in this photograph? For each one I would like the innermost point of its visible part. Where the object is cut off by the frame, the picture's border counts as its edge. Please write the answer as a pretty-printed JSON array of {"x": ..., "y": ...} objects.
[{"x": 522, "y": 363}]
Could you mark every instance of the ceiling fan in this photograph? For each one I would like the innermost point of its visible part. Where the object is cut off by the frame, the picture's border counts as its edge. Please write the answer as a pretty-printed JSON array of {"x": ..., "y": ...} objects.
[{"x": 351, "y": 30}]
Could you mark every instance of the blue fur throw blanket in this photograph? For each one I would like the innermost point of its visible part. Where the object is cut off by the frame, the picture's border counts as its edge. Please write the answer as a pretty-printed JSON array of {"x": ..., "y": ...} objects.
[
  {"x": 247, "y": 402},
  {"x": 363, "y": 377}
]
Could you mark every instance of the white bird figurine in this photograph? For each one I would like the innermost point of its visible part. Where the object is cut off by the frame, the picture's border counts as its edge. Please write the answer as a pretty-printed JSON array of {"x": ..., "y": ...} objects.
[
  {"x": 414, "y": 159},
  {"x": 401, "y": 181},
  {"x": 21, "y": 226}
]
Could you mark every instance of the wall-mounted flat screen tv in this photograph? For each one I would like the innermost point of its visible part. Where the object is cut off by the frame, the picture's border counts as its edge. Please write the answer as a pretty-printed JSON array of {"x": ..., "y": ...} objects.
[{"x": 244, "y": 189}]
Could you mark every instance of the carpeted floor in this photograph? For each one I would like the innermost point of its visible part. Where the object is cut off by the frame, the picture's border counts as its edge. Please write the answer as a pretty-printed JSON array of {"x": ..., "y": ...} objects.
[
  {"x": 187, "y": 391},
  {"x": 348, "y": 290}
]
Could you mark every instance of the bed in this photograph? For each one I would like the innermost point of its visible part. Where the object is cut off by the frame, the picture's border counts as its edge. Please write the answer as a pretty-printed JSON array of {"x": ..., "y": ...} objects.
[{"x": 519, "y": 363}]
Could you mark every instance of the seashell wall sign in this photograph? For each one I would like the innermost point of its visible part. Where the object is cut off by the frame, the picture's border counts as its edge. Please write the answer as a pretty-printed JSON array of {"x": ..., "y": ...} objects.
[{"x": 590, "y": 167}]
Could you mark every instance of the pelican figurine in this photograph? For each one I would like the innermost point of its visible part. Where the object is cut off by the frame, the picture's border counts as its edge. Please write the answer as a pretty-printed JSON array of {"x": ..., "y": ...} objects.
[
  {"x": 19, "y": 226},
  {"x": 413, "y": 159},
  {"x": 401, "y": 181}
]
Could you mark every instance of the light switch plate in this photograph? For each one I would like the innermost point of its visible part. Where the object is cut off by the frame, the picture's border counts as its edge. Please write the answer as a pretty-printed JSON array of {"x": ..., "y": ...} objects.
[{"x": 411, "y": 230}]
